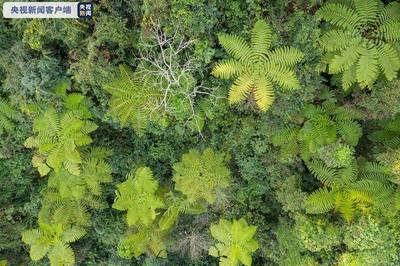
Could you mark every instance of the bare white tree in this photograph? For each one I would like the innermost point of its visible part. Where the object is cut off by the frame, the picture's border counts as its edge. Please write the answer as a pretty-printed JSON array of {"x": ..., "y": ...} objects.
[{"x": 164, "y": 62}]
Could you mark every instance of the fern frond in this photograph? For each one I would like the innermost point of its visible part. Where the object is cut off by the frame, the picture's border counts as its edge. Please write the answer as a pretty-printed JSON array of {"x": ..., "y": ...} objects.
[
  {"x": 349, "y": 77},
  {"x": 367, "y": 11},
  {"x": 263, "y": 93},
  {"x": 390, "y": 12},
  {"x": 7, "y": 115},
  {"x": 320, "y": 201},
  {"x": 242, "y": 87},
  {"x": 389, "y": 61},
  {"x": 324, "y": 174},
  {"x": 350, "y": 131},
  {"x": 228, "y": 69},
  {"x": 285, "y": 136},
  {"x": 346, "y": 59},
  {"x": 390, "y": 30},
  {"x": 282, "y": 75},
  {"x": 62, "y": 254},
  {"x": 345, "y": 205},
  {"x": 367, "y": 67},
  {"x": 347, "y": 175},
  {"x": 72, "y": 234},
  {"x": 339, "y": 15},
  {"x": 261, "y": 37},
  {"x": 371, "y": 191},
  {"x": 285, "y": 56},
  {"x": 375, "y": 171},
  {"x": 236, "y": 47},
  {"x": 335, "y": 40}
]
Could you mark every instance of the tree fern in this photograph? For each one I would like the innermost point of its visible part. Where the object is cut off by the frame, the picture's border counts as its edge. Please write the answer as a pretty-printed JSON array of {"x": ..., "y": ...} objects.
[
  {"x": 53, "y": 240},
  {"x": 329, "y": 132},
  {"x": 201, "y": 176},
  {"x": 145, "y": 240},
  {"x": 235, "y": 242},
  {"x": 133, "y": 100},
  {"x": 362, "y": 41},
  {"x": 347, "y": 189},
  {"x": 153, "y": 212},
  {"x": 58, "y": 135},
  {"x": 256, "y": 68},
  {"x": 137, "y": 196}
]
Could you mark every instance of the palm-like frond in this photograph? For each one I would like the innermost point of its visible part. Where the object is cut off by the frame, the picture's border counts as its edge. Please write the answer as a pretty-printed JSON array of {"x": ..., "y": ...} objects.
[
  {"x": 241, "y": 88},
  {"x": 339, "y": 15},
  {"x": 345, "y": 59},
  {"x": 389, "y": 60},
  {"x": 261, "y": 38},
  {"x": 367, "y": 67},
  {"x": 285, "y": 56},
  {"x": 367, "y": 11},
  {"x": 263, "y": 93},
  {"x": 324, "y": 174},
  {"x": 350, "y": 131},
  {"x": 320, "y": 201},
  {"x": 228, "y": 69},
  {"x": 237, "y": 47}
]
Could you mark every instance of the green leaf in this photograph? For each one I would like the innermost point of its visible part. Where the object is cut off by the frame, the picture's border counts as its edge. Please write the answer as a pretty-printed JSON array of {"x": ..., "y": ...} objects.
[{"x": 169, "y": 218}]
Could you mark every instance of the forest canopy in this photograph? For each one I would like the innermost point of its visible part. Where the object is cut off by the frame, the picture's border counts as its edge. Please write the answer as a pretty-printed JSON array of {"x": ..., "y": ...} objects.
[{"x": 194, "y": 132}]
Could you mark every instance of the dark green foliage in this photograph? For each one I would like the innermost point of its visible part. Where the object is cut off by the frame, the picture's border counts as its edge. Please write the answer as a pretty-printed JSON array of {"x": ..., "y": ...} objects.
[{"x": 313, "y": 181}]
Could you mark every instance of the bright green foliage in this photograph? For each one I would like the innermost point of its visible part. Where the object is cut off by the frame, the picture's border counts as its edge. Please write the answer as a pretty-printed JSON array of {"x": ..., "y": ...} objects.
[
  {"x": 145, "y": 239},
  {"x": 201, "y": 176},
  {"x": 329, "y": 133},
  {"x": 137, "y": 196},
  {"x": 317, "y": 234},
  {"x": 255, "y": 67},
  {"x": 65, "y": 208},
  {"x": 236, "y": 243},
  {"x": 58, "y": 135},
  {"x": 7, "y": 115},
  {"x": 53, "y": 240},
  {"x": 364, "y": 41},
  {"x": 370, "y": 242},
  {"x": 348, "y": 188},
  {"x": 68, "y": 198},
  {"x": 133, "y": 101},
  {"x": 75, "y": 179}
]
